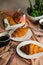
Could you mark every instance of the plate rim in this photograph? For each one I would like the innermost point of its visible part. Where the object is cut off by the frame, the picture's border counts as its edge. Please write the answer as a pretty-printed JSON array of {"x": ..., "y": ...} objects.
[
  {"x": 29, "y": 56},
  {"x": 23, "y": 38}
]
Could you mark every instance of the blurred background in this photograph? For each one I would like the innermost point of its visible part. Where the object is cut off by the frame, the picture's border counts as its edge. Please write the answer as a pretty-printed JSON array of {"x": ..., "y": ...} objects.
[{"x": 14, "y": 4}]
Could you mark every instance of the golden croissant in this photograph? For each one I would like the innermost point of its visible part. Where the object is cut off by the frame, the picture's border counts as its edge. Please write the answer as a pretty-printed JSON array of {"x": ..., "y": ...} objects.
[
  {"x": 11, "y": 20},
  {"x": 31, "y": 49},
  {"x": 19, "y": 32}
]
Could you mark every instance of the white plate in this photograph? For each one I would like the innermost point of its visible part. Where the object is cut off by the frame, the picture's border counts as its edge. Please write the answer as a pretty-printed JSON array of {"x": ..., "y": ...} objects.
[
  {"x": 20, "y": 53},
  {"x": 34, "y": 18},
  {"x": 25, "y": 37},
  {"x": 13, "y": 26}
]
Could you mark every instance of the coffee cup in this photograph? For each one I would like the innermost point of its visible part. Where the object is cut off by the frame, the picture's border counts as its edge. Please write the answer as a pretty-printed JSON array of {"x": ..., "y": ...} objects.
[{"x": 4, "y": 39}]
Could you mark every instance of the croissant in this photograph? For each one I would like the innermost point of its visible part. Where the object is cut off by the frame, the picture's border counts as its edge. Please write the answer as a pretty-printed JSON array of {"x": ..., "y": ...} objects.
[
  {"x": 19, "y": 32},
  {"x": 31, "y": 49},
  {"x": 9, "y": 18},
  {"x": 12, "y": 20}
]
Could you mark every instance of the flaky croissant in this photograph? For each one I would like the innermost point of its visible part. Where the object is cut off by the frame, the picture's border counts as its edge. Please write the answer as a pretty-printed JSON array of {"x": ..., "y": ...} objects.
[
  {"x": 19, "y": 32},
  {"x": 31, "y": 49}
]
